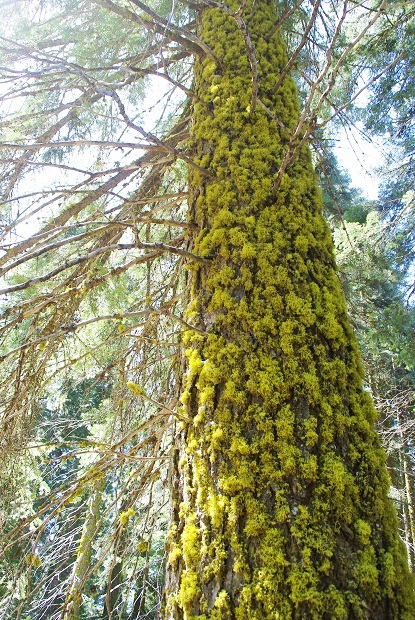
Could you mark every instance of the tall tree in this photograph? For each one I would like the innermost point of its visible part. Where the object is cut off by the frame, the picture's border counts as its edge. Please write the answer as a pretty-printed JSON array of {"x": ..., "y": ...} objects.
[
  {"x": 280, "y": 505},
  {"x": 390, "y": 110},
  {"x": 278, "y": 482},
  {"x": 373, "y": 279}
]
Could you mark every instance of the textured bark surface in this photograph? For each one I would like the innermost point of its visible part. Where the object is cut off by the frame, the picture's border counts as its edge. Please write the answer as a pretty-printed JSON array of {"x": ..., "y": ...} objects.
[
  {"x": 280, "y": 493},
  {"x": 408, "y": 494},
  {"x": 73, "y": 603}
]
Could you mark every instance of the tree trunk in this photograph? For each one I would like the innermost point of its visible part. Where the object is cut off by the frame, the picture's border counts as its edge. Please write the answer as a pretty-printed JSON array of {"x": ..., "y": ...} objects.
[
  {"x": 404, "y": 511},
  {"x": 112, "y": 596},
  {"x": 72, "y": 606},
  {"x": 409, "y": 515},
  {"x": 409, "y": 489},
  {"x": 280, "y": 491}
]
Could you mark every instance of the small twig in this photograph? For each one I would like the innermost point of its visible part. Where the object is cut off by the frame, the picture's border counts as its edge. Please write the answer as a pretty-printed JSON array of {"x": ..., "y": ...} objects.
[{"x": 149, "y": 136}]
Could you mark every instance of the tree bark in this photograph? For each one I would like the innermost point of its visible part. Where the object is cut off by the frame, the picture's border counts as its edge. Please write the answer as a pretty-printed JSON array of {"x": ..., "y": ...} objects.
[
  {"x": 409, "y": 488},
  {"x": 72, "y": 606},
  {"x": 404, "y": 512},
  {"x": 280, "y": 507},
  {"x": 409, "y": 513}
]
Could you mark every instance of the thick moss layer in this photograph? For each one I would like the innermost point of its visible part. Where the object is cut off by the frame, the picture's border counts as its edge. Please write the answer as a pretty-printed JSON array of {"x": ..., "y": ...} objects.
[{"x": 281, "y": 508}]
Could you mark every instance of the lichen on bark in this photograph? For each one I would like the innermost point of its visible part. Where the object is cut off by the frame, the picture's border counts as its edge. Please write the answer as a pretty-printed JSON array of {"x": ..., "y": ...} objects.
[{"x": 280, "y": 507}]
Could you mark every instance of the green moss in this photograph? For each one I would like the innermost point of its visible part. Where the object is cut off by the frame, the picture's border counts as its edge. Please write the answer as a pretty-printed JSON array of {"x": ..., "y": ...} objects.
[
  {"x": 283, "y": 508},
  {"x": 222, "y": 606},
  {"x": 189, "y": 591}
]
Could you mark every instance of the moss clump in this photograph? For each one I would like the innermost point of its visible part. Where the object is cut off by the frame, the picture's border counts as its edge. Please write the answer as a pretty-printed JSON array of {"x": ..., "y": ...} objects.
[{"x": 281, "y": 509}]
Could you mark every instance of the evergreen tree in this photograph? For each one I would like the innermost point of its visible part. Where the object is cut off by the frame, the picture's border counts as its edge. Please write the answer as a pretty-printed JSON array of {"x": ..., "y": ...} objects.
[
  {"x": 280, "y": 493},
  {"x": 278, "y": 482}
]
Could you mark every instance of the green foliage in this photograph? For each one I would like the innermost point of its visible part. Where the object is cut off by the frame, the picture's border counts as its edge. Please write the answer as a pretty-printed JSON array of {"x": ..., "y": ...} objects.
[
  {"x": 373, "y": 277},
  {"x": 340, "y": 199},
  {"x": 390, "y": 109}
]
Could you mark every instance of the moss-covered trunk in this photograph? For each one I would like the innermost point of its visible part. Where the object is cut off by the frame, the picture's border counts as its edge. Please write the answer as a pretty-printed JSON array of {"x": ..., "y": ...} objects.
[
  {"x": 280, "y": 498},
  {"x": 73, "y": 604}
]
